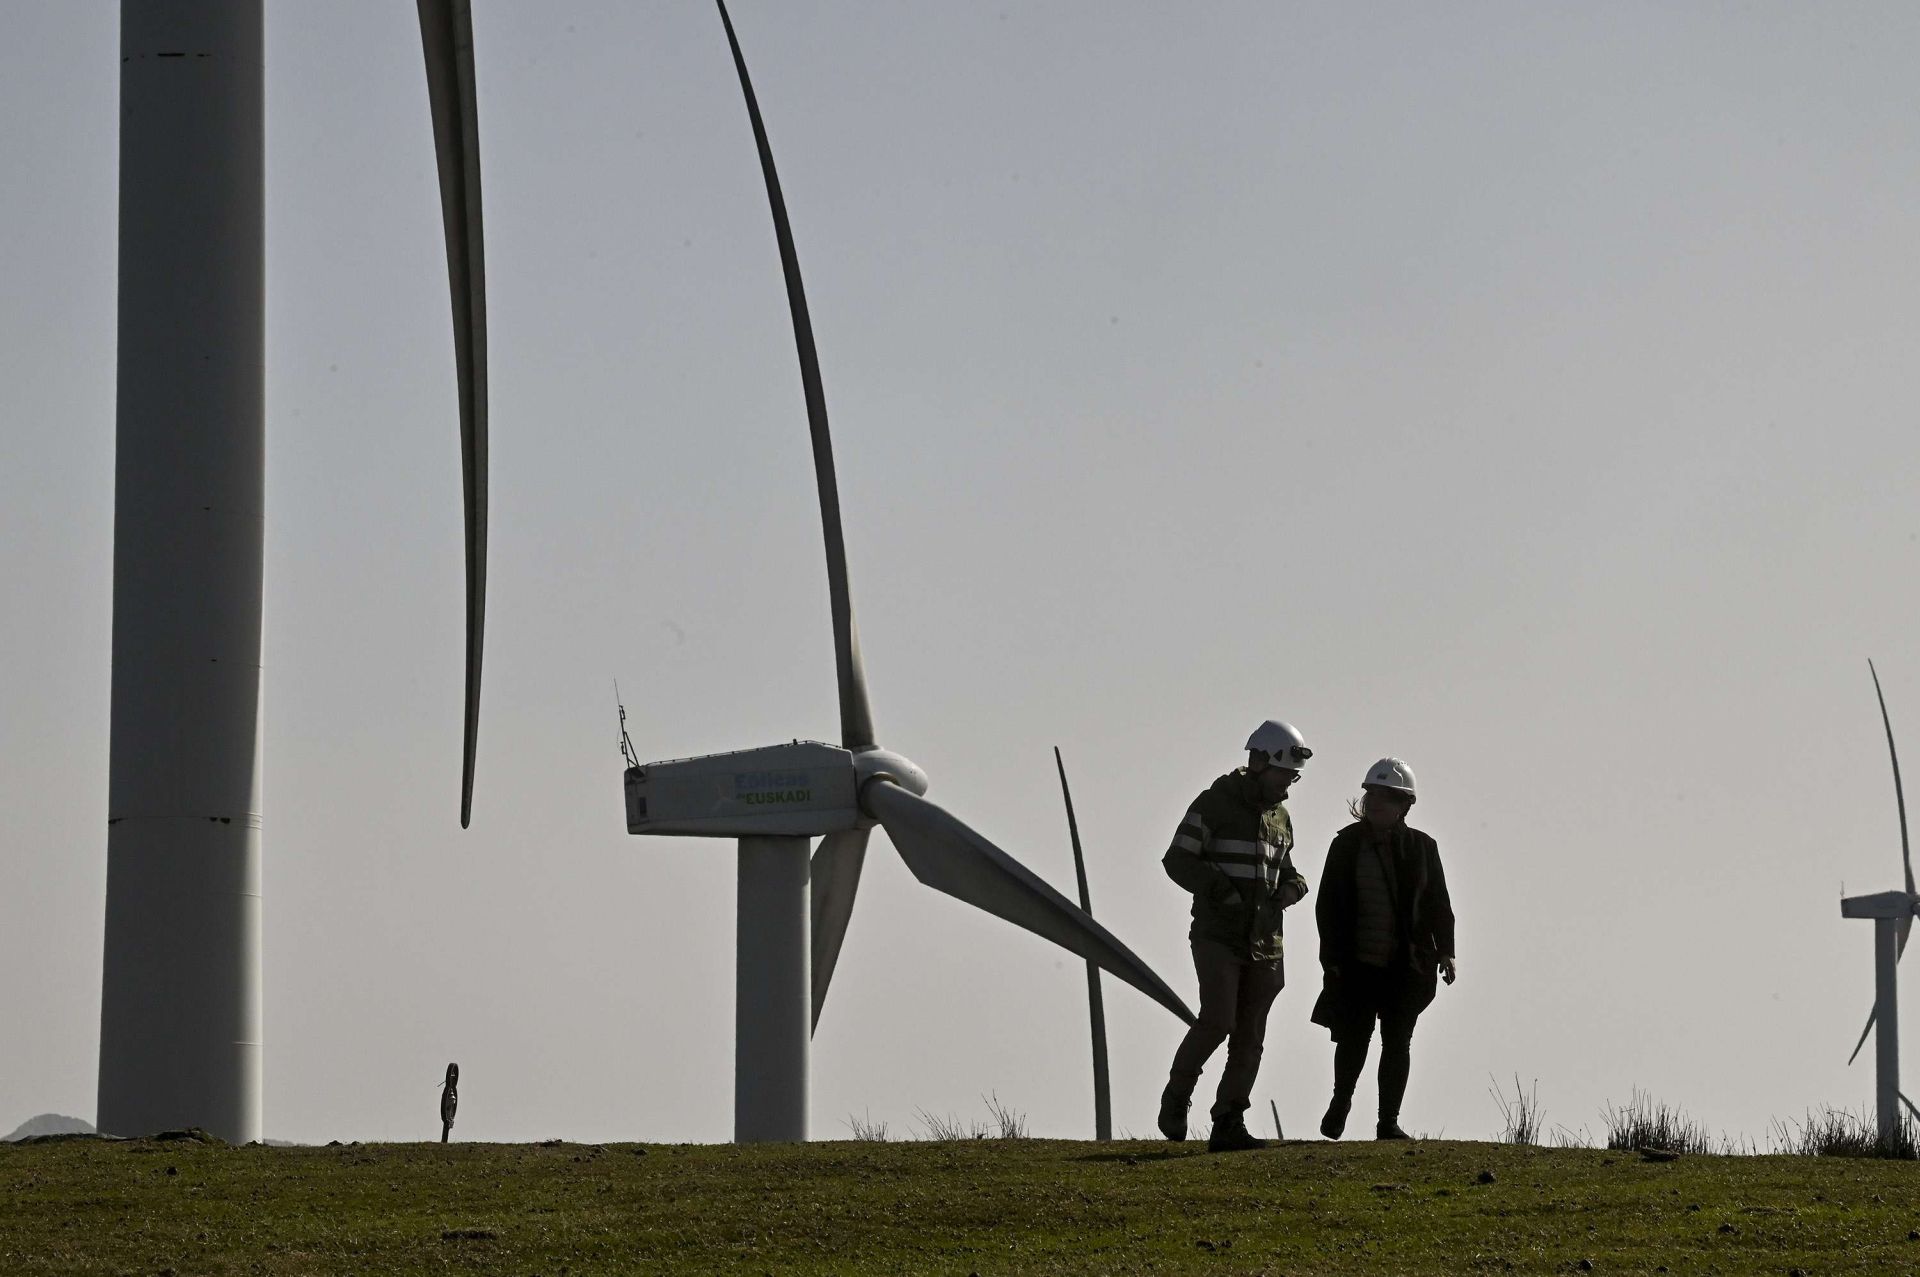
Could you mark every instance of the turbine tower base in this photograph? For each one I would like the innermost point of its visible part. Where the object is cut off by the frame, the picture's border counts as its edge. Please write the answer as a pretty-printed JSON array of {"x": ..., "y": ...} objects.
[
  {"x": 773, "y": 992},
  {"x": 1886, "y": 1038}
]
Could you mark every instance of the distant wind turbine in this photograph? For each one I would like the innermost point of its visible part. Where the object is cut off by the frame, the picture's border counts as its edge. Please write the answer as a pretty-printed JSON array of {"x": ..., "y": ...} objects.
[
  {"x": 1096, "y": 1008},
  {"x": 792, "y": 915},
  {"x": 1892, "y": 913}
]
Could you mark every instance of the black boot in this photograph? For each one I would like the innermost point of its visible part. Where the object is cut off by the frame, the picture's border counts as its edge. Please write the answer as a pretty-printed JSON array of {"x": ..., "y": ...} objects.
[
  {"x": 1230, "y": 1135},
  {"x": 1336, "y": 1119},
  {"x": 1395, "y": 1064},
  {"x": 1349, "y": 1057},
  {"x": 1174, "y": 1103}
]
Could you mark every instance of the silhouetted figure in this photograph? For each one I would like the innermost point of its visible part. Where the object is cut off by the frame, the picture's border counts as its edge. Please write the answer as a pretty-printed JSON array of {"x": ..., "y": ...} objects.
[
  {"x": 1234, "y": 853},
  {"x": 1386, "y": 937},
  {"x": 449, "y": 1100}
]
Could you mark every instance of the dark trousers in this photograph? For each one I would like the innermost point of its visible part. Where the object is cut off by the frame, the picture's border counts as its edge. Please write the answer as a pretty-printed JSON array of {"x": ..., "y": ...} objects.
[
  {"x": 1235, "y": 995},
  {"x": 1394, "y": 996}
]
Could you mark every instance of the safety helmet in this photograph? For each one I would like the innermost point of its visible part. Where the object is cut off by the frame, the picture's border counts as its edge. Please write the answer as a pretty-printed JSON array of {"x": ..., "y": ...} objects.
[
  {"x": 1390, "y": 773},
  {"x": 1283, "y": 746}
]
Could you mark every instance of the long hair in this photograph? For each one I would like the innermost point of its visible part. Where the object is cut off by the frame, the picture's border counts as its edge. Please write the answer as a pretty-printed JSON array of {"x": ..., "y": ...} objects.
[{"x": 1357, "y": 807}]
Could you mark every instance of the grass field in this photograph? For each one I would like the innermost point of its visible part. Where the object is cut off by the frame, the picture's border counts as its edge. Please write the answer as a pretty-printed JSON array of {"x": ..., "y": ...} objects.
[{"x": 987, "y": 1207}]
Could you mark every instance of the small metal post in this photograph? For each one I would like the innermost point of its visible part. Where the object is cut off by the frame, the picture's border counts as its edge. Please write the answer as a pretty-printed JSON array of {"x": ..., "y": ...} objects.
[{"x": 449, "y": 1101}]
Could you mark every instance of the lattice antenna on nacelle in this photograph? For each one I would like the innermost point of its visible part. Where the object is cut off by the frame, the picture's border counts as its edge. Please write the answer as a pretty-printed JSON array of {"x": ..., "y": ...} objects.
[{"x": 626, "y": 742}]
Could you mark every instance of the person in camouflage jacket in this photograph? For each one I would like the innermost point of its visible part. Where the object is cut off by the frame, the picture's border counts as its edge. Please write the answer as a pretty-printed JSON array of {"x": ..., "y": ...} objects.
[{"x": 1234, "y": 853}]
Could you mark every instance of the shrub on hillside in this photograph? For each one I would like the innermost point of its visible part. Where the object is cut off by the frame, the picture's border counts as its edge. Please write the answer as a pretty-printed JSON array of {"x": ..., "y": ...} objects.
[
  {"x": 1647, "y": 1123},
  {"x": 1838, "y": 1133}
]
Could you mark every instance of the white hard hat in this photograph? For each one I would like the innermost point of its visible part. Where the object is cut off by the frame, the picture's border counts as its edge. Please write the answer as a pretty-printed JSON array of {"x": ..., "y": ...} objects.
[
  {"x": 1283, "y": 746},
  {"x": 1390, "y": 773}
]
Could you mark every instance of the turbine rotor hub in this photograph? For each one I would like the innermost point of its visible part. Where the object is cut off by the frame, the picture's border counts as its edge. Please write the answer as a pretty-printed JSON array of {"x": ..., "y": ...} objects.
[{"x": 883, "y": 764}]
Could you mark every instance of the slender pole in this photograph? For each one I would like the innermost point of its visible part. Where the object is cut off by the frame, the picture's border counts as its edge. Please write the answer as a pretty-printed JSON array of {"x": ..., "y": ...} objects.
[
  {"x": 1886, "y": 1041},
  {"x": 773, "y": 992},
  {"x": 180, "y": 1000}
]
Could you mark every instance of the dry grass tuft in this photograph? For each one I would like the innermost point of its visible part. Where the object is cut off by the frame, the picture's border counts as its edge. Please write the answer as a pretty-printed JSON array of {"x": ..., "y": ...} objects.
[{"x": 1521, "y": 1116}]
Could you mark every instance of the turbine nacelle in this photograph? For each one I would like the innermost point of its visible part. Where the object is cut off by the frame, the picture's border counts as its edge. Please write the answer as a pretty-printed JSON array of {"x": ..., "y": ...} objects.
[
  {"x": 1884, "y": 904},
  {"x": 804, "y": 788}
]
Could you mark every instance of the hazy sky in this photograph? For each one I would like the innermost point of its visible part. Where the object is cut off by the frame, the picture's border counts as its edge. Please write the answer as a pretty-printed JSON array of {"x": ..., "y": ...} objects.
[{"x": 1524, "y": 390}]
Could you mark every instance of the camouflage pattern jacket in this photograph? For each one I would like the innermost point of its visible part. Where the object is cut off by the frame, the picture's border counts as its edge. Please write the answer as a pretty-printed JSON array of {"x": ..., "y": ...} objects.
[{"x": 1236, "y": 857}]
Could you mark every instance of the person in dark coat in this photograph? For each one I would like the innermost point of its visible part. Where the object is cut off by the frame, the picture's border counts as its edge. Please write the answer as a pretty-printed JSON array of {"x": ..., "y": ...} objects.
[{"x": 1386, "y": 940}]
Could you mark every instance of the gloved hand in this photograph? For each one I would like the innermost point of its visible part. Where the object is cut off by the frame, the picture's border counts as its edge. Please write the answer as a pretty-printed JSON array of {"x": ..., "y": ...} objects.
[{"x": 1449, "y": 970}]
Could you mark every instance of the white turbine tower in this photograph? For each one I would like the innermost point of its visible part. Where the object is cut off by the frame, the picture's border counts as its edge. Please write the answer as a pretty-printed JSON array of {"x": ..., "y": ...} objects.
[
  {"x": 180, "y": 1005},
  {"x": 792, "y": 914},
  {"x": 1892, "y": 913}
]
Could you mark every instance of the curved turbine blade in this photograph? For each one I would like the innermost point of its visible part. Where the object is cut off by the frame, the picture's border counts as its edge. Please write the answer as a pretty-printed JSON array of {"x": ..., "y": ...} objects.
[
  {"x": 856, "y": 718},
  {"x": 946, "y": 855},
  {"x": 1909, "y": 1103},
  {"x": 1096, "y": 1005},
  {"x": 1872, "y": 1017},
  {"x": 1899, "y": 794},
  {"x": 446, "y": 31},
  {"x": 836, "y": 877},
  {"x": 1073, "y": 832}
]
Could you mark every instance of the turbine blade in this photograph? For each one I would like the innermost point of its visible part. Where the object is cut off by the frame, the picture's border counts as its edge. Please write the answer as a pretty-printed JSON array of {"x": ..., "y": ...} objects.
[
  {"x": 856, "y": 718},
  {"x": 1872, "y": 1016},
  {"x": 446, "y": 32},
  {"x": 945, "y": 854},
  {"x": 1073, "y": 832},
  {"x": 1899, "y": 794},
  {"x": 1909, "y": 1103},
  {"x": 1096, "y": 1004},
  {"x": 836, "y": 877}
]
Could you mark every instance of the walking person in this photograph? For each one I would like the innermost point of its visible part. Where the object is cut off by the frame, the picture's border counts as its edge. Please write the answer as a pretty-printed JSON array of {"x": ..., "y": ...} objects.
[
  {"x": 1386, "y": 939},
  {"x": 1234, "y": 853}
]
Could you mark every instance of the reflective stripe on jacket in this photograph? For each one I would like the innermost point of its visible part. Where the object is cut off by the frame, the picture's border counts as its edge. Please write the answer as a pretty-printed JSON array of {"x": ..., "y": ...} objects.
[{"x": 1236, "y": 857}]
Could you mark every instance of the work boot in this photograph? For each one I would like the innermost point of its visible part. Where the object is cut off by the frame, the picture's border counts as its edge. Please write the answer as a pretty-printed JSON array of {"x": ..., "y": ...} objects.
[
  {"x": 1174, "y": 1103},
  {"x": 1336, "y": 1119},
  {"x": 1230, "y": 1135},
  {"x": 1389, "y": 1129}
]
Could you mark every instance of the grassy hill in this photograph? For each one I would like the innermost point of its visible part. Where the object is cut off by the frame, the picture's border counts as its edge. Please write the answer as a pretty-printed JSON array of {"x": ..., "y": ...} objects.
[{"x": 987, "y": 1207}]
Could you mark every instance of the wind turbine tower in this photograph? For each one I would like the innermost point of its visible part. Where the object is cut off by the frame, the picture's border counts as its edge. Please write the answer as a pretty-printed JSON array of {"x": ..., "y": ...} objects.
[
  {"x": 180, "y": 1005},
  {"x": 1892, "y": 913}
]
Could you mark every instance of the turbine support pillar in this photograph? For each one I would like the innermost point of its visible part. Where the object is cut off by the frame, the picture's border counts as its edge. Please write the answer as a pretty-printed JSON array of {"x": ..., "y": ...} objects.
[
  {"x": 1886, "y": 1034},
  {"x": 180, "y": 1004},
  {"x": 773, "y": 991}
]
